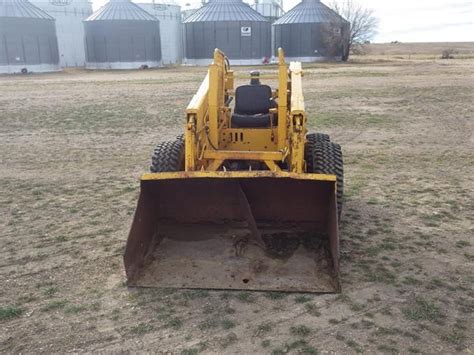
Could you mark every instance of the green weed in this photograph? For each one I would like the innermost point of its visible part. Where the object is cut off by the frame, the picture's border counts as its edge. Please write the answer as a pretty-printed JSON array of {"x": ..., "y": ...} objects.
[
  {"x": 228, "y": 340},
  {"x": 208, "y": 324},
  {"x": 410, "y": 280},
  {"x": 382, "y": 275},
  {"x": 312, "y": 309},
  {"x": 357, "y": 307},
  {"x": 9, "y": 312},
  {"x": 436, "y": 283},
  {"x": 246, "y": 297},
  {"x": 309, "y": 350},
  {"x": 388, "y": 349},
  {"x": 50, "y": 291},
  {"x": 456, "y": 337},
  {"x": 355, "y": 346},
  {"x": 462, "y": 244},
  {"x": 54, "y": 305},
  {"x": 265, "y": 343},
  {"x": 195, "y": 294},
  {"x": 228, "y": 324},
  {"x": 74, "y": 309},
  {"x": 196, "y": 350},
  {"x": 276, "y": 295},
  {"x": 302, "y": 299},
  {"x": 141, "y": 328},
  {"x": 300, "y": 330},
  {"x": 174, "y": 323},
  {"x": 423, "y": 310}
]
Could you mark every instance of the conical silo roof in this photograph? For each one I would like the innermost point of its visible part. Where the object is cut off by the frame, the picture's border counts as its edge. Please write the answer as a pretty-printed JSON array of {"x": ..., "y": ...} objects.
[
  {"x": 310, "y": 11},
  {"x": 121, "y": 10},
  {"x": 22, "y": 9},
  {"x": 225, "y": 10}
]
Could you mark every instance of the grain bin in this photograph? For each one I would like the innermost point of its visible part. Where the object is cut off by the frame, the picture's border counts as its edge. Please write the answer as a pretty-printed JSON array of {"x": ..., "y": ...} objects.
[
  {"x": 169, "y": 15},
  {"x": 271, "y": 9},
  {"x": 121, "y": 35},
  {"x": 28, "y": 40},
  {"x": 230, "y": 25},
  {"x": 311, "y": 31},
  {"x": 68, "y": 15}
]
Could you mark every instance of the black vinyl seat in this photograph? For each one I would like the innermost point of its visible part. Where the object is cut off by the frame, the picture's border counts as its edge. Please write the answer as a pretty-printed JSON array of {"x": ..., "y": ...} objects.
[{"x": 252, "y": 107}]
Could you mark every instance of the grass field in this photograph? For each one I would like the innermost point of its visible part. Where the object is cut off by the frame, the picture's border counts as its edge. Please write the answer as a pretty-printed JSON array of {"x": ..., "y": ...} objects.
[{"x": 72, "y": 147}]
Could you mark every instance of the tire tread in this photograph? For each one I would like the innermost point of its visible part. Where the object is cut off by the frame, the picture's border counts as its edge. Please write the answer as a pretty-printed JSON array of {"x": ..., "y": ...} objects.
[{"x": 168, "y": 156}]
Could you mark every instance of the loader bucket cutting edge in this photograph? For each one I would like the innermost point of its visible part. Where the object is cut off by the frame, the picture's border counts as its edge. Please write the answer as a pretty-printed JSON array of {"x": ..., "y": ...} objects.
[{"x": 192, "y": 230}]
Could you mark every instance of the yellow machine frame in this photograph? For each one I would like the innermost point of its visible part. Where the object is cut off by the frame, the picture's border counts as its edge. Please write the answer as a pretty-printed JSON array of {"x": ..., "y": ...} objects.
[
  {"x": 210, "y": 140},
  {"x": 203, "y": 225}
]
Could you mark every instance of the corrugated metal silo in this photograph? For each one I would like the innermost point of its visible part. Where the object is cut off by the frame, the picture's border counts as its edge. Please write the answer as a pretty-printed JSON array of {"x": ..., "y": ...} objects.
[
  {"x": 188, "y": 12},
  {"x": 169, "y": 16},
  {"x": 121, "y": 35},
  {"x": 230, "y": 25},
  {"x": 311, "y": 31},
  {"x": 27, "y": 38},
  {"x": 69, "y": 15},
  {"x": 271, "y": 9}
]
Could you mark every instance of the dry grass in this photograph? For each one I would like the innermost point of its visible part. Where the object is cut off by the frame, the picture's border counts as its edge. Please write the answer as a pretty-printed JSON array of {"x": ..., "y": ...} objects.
[
  {"x": 73, "y": 145},
  {"x": 416, "y": 51}
]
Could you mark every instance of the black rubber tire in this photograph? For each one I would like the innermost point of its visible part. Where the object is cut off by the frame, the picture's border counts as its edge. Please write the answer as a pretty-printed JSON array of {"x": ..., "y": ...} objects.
[
  {"x": 168, "y": 156},
  {"x": 327, "y": 159},
  {"x": 318, "y": 137},
  {"x": 311, "y": 139}
]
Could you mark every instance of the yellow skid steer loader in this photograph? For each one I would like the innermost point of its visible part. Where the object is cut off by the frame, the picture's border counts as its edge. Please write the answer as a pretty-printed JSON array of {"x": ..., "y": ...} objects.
[{"x": 245, "y": 199}]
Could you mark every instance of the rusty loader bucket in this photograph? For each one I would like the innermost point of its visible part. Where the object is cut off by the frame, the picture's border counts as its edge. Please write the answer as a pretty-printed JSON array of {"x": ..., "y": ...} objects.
[{"x": 272, "y": 231}]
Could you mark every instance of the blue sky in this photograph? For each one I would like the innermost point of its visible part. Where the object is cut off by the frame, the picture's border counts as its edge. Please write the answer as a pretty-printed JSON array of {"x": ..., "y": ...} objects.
[{"x": 405, "y": 20}]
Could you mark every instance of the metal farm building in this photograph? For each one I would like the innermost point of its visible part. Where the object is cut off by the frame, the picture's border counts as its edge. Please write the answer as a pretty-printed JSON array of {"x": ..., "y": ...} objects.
[
  {"x": 69, "y": 15},
  {"x": 28, "y": 40},
  {"x": 121, "y": 35},
  {"x": 312, "y": 31},
  {"x": 230, "y": 25},
  {"x": 171, "y": 32}
]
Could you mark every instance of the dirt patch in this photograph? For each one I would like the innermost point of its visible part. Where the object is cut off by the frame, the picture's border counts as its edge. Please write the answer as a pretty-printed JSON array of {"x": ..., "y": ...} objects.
[
  {"x": 73, "y": 145},
  {"x": 281, "y": 245}
]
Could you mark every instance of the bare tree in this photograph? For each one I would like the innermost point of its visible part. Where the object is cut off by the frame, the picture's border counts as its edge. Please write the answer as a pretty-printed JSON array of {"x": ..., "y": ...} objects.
[
  {"x": 363, "y": 23},
  {"x": 334, "y": 39}
]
